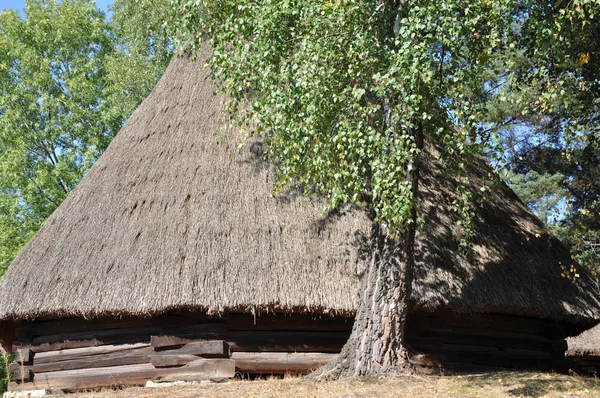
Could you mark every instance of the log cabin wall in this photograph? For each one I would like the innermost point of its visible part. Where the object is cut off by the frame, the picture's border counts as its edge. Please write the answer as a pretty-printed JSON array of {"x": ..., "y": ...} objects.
[
  {"x": 588, "y": 363},
  {"x": 72, "y": 354}
]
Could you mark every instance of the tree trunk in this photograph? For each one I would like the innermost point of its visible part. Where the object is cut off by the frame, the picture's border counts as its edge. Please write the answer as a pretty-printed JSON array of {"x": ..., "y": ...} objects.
[{"x": 376, "y": 344}]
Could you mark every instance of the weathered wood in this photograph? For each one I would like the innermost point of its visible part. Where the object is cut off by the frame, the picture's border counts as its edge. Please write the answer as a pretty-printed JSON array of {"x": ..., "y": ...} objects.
[
  {"x": 207, "y": 331},
  {"x": 21, "y": 375},
  {"x": 162, "y": 361},
  {"x": 212, "y": 348},
  {"x": 329, "y": 342},
  {"x": 485, "y": 322},
  {"x": 78, "y": 353},
  {"x": 170, "y": 341},
  {"x": 7, "y": 336},
  {"x": 429, "y": 340},
  {"x": 109, "y": 336},
  {"x": 451, "y": 332},
  {"x": 23, "y": 331},
  {"x": 117, "y": 358},
  {"x": 128, "y": 375},
  {"x": 295, "y": 322},
  {"x": 23, "y": 356},
  {"x": 280, "y": 362}
]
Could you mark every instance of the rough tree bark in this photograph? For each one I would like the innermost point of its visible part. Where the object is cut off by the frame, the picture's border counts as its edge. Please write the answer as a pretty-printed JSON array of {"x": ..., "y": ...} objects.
[{"x": 376, "y": 344}]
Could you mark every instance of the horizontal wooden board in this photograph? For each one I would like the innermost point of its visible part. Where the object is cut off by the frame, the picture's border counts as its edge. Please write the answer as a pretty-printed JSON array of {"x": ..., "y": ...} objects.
[
  {"x": 78, "y": 325},
  {"x": 172, "y": 345},
  {"x": 280, "y": 362},
  {"x": 163, "y": 361},
  {"x": 85, "y": 352},
  {"x": 329, "y": 342},
  {"x": 129, "y": 375},
  {"x": 286, "y": 322},
  {"x": 116, "y": 358}
]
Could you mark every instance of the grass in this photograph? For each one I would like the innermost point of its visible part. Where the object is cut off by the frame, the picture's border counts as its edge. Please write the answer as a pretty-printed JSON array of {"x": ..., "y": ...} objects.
[{"x": 485, "y": 385}]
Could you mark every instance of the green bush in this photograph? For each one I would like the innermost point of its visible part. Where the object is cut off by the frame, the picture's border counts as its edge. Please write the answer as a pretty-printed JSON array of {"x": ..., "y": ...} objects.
[{"x": 4, "y": 360}]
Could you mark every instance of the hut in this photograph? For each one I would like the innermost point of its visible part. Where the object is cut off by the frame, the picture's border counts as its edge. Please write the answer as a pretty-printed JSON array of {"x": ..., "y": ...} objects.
[
  {"x": 583, "y": 354},
  {"x": 172, "y": 260}
]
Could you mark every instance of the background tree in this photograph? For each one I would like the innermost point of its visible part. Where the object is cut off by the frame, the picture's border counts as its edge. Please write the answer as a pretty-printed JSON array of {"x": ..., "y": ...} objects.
[
  {"x": 68, "y": 81},
  {"x": 551, "y": 95}
]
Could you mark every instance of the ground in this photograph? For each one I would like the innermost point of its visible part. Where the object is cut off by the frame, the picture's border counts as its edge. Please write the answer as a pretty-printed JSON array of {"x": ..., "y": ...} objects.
[{"x": 485, "y": 385}]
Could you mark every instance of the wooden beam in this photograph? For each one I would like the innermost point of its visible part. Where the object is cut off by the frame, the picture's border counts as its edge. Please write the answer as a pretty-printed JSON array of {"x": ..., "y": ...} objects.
[
  {"x": 212, "y": 348},
  {"x": 280, "y": 362},
  {"x": 128, "y": 375},
  {"x": 23, "y": 356},
  {"x": 21, "y": 375},
  {"x": 163, "y": 361},
  {"x": 330, "y": 342},
  {"x": 85, "y": 352},
  {"x": 284, "y": 322},
  {"x": 116, "y": 358}
]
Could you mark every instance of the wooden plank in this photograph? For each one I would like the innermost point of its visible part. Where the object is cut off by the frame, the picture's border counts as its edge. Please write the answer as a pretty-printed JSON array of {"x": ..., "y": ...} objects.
[
  {"x": 200, "y": 368},
  {"x": 78, "y": 353},
  {"x": 110, "y": 336},
  {"x": 507, "y": 323},
  {"x": 23, "y": 356},
  {"x": 170, "y": 341},
  {"x": 7, "y": 336},
  {"x": 329, "y": 342},
  {"x": 21, "y": 375},
  {"x": 79, "y": 325},
  {"x": 428, "y": 340},
  {"x": 212, "y": 348},
  {"x": 117, "y": 358},
  {"x": 128, "y": 375},
  {"x": 286, "y": 322},
  {"x": 163, "y": 361},
  {"x": 203, "y": 347},
  {"x": 280, "y": 362}
]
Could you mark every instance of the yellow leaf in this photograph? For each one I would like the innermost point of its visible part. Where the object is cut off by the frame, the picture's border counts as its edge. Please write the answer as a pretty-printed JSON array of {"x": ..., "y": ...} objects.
[{"x": 584, "y": 58}]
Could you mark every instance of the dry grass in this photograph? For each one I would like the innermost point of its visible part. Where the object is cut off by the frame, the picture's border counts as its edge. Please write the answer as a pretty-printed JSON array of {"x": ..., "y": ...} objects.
[{"x": 499, "y": 384}]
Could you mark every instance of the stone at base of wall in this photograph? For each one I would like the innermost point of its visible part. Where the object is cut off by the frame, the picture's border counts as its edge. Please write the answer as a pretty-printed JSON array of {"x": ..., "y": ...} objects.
[{"x": 24, "y": 394}]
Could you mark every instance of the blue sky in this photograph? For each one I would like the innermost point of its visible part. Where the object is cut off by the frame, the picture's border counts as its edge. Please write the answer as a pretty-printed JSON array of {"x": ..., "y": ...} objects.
[{"x": 20, "y": 4}]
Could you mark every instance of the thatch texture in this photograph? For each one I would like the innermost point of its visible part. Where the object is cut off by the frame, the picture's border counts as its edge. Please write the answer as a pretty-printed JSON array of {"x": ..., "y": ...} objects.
[
  {"x": 586, "y": 344},
  {"x": 174, "y": 216}
]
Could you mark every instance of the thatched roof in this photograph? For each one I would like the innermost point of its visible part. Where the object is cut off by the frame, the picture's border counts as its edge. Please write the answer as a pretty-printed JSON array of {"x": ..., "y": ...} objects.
[
  {"x": 174, "y": 216},
  {"x": 587, "y": 343}
]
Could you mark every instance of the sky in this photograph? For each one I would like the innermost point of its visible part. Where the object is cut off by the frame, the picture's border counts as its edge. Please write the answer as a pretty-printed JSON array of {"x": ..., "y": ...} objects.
[{"x": 20, "y": 4}]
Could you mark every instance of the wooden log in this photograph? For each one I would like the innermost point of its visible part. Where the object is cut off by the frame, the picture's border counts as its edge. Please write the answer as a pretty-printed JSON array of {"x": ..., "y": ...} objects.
[
  {"x": 23, "y": 331},
  {"x": 212, "y": 348},
  {"x": 430, "y": 339},
  {"x": 330, "y": 342},
  {"x": 451, "y": 331},
  {"x": 280, "y": 362},
  {"x": 79, "y": 353},
  {"x": 491, "y": 352},
  {"x": 128, "y": 375},
  {"x": 109, "y": 336},
  {"x": 284, "y": 322},
  {"x": 7, "y": 336},
  {"x": 207, "y": 331},
  {"x": 117, "y": 358},
  {"x": 80, "y": 325},
  {"x": 163, "y": 361},
  {"x": 507, "y": 323},
  {"x": 23, "y": 356},
  {"x": 21, "y": 375}
]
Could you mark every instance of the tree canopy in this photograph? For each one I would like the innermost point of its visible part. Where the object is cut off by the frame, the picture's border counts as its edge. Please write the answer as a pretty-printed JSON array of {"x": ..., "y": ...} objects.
[{"x": 68, "y": 81}]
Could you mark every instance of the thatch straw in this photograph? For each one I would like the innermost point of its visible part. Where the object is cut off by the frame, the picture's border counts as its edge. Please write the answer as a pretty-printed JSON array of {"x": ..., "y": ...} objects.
[
  {"x": 173, "y": 216},
  {"x": 587, "y": 343}
]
